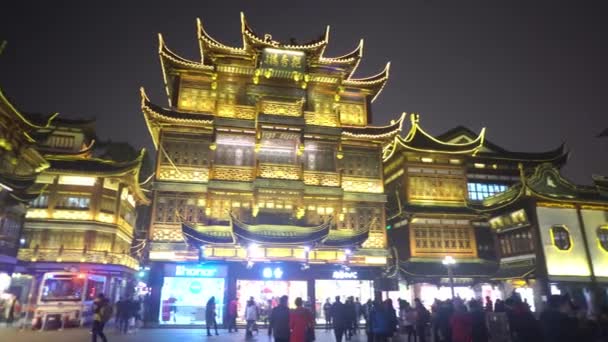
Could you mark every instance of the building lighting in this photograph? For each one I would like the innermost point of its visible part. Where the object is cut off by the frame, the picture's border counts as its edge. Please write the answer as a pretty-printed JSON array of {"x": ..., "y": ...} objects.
[
  {"x": 449, "y": 262},
  {"x": 22, "y": 241},
  {"x": 479, "y": 165},
  {"x": 348, "y": 251},
  {"x": 77, "y": 180},
  {"x": 426, "y": 160}
]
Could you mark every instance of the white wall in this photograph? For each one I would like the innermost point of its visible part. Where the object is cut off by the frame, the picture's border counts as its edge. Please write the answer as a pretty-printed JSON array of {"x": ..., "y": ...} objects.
[
  {"x": 572, "y": 262},
  {"x": 592, "y": 219}
]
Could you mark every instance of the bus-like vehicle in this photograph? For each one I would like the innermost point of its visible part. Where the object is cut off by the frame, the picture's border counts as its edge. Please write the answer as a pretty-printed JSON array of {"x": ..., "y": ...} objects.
[{"x": 66, "y": 299}]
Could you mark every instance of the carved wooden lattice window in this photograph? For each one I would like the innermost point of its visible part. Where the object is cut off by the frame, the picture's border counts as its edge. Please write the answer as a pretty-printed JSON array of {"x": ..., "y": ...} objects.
[
  {"x": 321, "y": 158},
  {"x": 440, "y": 240},
  {"x": 186, "y": 153},
  {"x": 561, "y": 237},
  {"x": 516, "y": 242},
  {"x": 361, "y": 163},
  {"x": 602, "y": 236},
  {"x": 169, "y": 207}
]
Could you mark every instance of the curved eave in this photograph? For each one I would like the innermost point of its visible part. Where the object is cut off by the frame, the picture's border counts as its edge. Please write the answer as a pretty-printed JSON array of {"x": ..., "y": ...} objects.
[
  {"x": 373, "y": 84},
  {"x": 209, "y": 45},
  {"x": 156, "y": 115},
  {"x": 556, "y": 157},
  {"x": 251, "y": 41},
  {"x": 501, "y": 200},
  {"x": 23, "y": 118},
  {"x": 275, "y": 234},
  {"x": 198, "y": 238},
  {"x": 335, "y": 239},
  {"x": 348, "y": 62},
  {"x": 374, "y": 132}
]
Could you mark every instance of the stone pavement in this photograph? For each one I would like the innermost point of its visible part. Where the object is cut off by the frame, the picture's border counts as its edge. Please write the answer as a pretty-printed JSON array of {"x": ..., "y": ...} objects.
[{"x": 146, "y": 335}]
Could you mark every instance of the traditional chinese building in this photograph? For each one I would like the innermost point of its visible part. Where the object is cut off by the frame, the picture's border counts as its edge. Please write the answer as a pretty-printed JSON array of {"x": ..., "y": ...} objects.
[
  {"x": 20, "y": 163},
  {"x": 435, "y": 188},
  {"x": 268, "y": 168},
  {"x": 552, "y": 237},
  {"x": 83, "y": 217}
]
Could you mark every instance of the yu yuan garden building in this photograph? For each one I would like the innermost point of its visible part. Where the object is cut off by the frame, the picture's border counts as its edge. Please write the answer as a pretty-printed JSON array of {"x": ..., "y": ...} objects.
[{"x": 271, "y": 179}]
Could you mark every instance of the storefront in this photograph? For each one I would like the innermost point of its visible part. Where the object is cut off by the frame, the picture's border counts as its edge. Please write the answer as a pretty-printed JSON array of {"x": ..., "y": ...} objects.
[
  {"x": 181, "y": 291},
  {"x": 186, "y": 289}
]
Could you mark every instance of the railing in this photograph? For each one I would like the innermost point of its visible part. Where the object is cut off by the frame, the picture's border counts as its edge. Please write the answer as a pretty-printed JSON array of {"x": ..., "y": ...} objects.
[
  {"x": 183, "y": 173},
  {"x": 322, "y": 119},
  {"x": 279, "y": 171},
  {"x": 233, "y": 173},
  {"x": 362, "y": 184},
  {"x": 320, "y": 178},
  {"x": 235, "y": 111},
  {"x": 280, "y": 107},
  {"x": 77, "y": 255}
]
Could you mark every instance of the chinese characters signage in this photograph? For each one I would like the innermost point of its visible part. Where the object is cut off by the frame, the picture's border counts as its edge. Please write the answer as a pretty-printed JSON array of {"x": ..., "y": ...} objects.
[{"x": 283, "y": 60}]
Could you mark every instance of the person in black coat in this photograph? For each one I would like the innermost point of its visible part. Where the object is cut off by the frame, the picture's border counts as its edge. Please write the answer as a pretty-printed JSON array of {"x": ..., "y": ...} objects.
[
  {"x": 279, "y": 321},
  {"x": 340, "y": 317},
  {"x": 556, "y": 325},
  {"x": 480, "y": 329}
]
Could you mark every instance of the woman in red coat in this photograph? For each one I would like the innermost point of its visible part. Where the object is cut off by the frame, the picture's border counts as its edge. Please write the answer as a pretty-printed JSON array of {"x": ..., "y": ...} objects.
[{"x": 300, "y": 321}]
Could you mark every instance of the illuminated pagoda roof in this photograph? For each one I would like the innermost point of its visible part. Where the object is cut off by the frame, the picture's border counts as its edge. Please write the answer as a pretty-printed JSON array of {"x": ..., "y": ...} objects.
[
  {"x": 546, "y": 183},
  {"x": 375, "y": 132},
  {"x": 272, "y": 234},
  {"x": 492, "y": 151},
  {"x": 418, "y": 140},
  {"x": 69, "y": 164},
  {"x": 245, "y": 59}
]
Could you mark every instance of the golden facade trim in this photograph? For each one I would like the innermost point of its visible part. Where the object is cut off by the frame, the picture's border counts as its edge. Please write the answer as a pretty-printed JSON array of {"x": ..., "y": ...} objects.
[
  {"x": 280, "y": 171},
  {"x": 183, "y": 174},
  {"x": 361, "y": 184},
  {"x": 321, "y": 178}
]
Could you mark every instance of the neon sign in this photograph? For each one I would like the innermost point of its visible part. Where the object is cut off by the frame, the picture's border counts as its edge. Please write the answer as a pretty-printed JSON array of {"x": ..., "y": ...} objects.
[
  {"x": 268, "y": 272},
  {"x": 344, "y": 275},
  {"x": 186, "y": 271}
]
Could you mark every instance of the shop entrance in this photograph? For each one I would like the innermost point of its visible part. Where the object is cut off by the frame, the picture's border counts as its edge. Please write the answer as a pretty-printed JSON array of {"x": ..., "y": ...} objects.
[
  {"x": 183, "y": 300},
  {"x": 362, "y": 289},
  {"x": 266, "y": 294}
]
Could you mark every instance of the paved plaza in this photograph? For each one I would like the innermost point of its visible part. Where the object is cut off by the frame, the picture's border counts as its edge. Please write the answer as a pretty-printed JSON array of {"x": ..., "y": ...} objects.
[{"x": 145, "y": 335}]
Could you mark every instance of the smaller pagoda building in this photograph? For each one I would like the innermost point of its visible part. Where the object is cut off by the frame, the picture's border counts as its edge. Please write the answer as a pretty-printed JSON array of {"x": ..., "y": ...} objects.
[
  {"x": 434, "y": 186},
  {"x": 20, "y": 164}
]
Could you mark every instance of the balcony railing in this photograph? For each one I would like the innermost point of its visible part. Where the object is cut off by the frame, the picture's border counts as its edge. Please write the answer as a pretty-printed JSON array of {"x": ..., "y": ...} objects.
[
  {"x": 233, "y": 173},
  {"x": 279, "y": 171},
  {"x": 235, "y": 111},
  {"x": 280, "y": 107},
  {"x": 322, "y": 119},
  {"x": 183, "y": 173},
  {"x": 77, "y": 255},
  {"x": 362, "y": 184},
  {"x": 320, "y": 178}
]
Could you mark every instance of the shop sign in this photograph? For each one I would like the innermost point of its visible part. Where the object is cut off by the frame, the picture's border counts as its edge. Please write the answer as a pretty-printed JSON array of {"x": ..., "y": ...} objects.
[
  {"x": 196, "y": 271},
  {"x": 345, "y": 275}
]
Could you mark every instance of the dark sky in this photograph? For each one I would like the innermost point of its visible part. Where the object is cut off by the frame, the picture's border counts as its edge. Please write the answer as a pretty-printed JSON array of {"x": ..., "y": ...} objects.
[{"x": 534, "y": 75}]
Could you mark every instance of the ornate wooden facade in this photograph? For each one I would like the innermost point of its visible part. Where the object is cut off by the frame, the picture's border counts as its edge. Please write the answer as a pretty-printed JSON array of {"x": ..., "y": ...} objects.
[{"x": 267, "y": 144}]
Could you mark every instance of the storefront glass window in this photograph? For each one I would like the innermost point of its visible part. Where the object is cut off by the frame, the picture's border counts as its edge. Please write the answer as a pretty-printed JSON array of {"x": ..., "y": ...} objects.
[
  {"x": 266, "y": 294},
  {"x": 184, "y": 299},
  {"x": 362, "y": 289}
]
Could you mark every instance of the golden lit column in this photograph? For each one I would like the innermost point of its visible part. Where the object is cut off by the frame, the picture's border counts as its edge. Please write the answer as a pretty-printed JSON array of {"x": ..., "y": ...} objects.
[
  {"x": 96, "y": 196},
  {"x": 53, "y": 193}
]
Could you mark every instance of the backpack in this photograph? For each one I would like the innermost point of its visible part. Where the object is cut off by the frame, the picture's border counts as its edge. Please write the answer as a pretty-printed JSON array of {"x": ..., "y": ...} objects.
[{"x": 105, "y": 313}]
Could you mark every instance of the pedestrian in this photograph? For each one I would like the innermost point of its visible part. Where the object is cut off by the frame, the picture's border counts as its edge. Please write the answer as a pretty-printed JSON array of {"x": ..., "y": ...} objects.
[
  {"x": 232, "y": 313},
  {"x": 461, "y": 323},
  {"x": 423, "y": 317},
  {"x": 380, "y": 321},
  {"x": 488, "y": 306},
  {"x": 210, "y": 315},
  {"x": 350, "y": 317},
  {"x": 122, "y": 315},
  {"x": 409, "y": 320},
  {"x": 102, "y": 312},
  {"x": 279, "y": 321},
  {"x": 135, "y": 313},
  {"x": 301, "y": 323},
  {"x": 327, "y": 314},
  {"x": 392, "y": 317},
  {"x": 340, "y": 318},
  {"x": 555, "y": 323},
  {"x": 251, "y": 315},
  {"x": 478, "y": 317},
  {"x": 357, "y": 315}
]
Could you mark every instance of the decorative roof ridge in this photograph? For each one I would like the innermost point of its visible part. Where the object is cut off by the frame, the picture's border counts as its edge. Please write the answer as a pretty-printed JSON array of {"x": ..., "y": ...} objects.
[
  {"x": 415, "y": 119},
  {"x": 204, "y": 37},
  {"x": 378, "y": 78},
  {"x": 73, "y": 158},
  {"x": 23, "y": 117},
  {"x": 248, "y": 33},
  {"x": 354, "y": 55}
]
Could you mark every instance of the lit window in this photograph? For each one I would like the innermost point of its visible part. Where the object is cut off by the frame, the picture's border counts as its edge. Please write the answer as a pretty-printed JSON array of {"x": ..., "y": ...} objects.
[
  {"x": 479, "y": 191},
  {"x": 561, "y": 237},
  {"x": 602, "y": 236}
]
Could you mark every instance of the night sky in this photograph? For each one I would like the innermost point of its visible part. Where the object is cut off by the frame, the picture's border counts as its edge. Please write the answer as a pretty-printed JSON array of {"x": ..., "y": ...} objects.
[{"x": 534, "y": 76}]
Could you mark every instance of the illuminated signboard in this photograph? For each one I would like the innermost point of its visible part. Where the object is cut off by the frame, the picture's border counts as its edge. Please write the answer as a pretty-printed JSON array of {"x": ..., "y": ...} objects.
[
  {"x": 196, "y": 271},
  {"x": 276, "y": 273},
  {"x": 283, "y": 60},
  {"x": 344, "y": 275}
]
